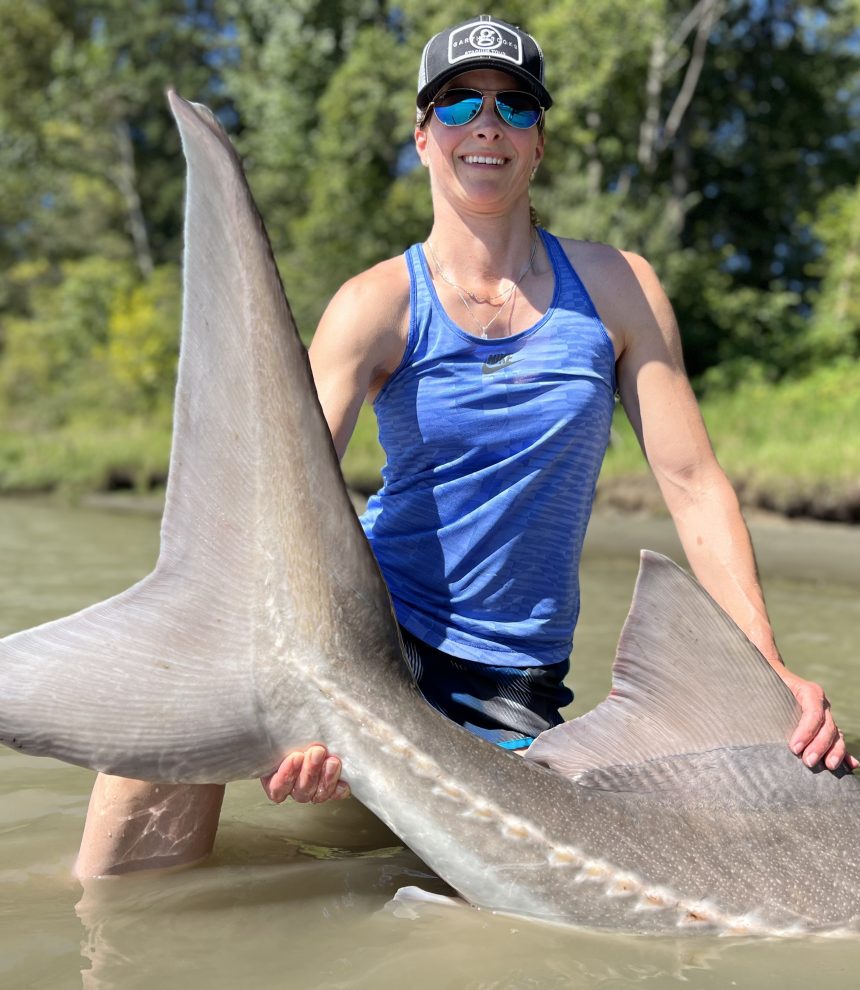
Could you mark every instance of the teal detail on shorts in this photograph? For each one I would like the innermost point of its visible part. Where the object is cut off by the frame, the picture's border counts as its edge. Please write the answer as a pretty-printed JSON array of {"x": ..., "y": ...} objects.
[{"x": 523, "y": 743}]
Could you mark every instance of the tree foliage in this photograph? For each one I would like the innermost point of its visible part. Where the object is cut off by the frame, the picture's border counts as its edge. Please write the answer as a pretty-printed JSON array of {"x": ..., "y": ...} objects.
[
  {"x": 719, "y": 138},
  {"x": 835, "y": 328}
]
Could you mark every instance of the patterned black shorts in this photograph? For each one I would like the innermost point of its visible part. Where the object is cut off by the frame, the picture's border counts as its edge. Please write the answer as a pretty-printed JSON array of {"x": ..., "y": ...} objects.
[{"x": 507, "y": 706}]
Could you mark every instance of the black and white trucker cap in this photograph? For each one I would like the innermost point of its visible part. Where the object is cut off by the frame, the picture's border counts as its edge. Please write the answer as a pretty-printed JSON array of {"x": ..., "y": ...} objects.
[{"x": 481, "y": 43}]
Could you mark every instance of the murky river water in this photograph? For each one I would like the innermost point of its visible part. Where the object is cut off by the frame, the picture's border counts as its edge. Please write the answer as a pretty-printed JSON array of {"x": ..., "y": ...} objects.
[{"x": 302, "y": 897}]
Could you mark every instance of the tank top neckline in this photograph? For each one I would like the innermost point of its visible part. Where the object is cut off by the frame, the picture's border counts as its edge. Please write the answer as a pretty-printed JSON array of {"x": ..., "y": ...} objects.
[{"x": 436, "y": 302}]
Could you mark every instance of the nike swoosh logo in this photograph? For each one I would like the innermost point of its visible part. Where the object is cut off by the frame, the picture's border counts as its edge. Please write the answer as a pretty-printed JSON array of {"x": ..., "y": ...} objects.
[{"x": 491, "y": 366}]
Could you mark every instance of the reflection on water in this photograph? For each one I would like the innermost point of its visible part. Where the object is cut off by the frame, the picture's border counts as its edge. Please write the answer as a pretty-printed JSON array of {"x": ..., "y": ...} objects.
[
  {"x": 302, "y": 896},
  {"x": 280, "y": 920}
]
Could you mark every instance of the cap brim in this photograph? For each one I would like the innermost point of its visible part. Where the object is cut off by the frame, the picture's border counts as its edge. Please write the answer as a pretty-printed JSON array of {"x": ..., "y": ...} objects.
[{"x": 530, "y": 84}]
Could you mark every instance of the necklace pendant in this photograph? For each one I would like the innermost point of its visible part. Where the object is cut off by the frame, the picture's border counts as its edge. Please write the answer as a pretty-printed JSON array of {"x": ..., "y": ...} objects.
[{"x": 506, "y": 296}]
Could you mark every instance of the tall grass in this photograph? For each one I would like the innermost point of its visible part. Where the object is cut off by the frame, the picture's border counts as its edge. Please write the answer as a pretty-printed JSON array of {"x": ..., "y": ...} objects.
[
  {"x": 130, "y": 454},
  {"x": 789, "y": 447}
]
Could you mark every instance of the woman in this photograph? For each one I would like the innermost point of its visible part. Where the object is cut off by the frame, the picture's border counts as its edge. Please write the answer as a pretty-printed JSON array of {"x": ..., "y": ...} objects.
[{"x": 492, "y": 354}]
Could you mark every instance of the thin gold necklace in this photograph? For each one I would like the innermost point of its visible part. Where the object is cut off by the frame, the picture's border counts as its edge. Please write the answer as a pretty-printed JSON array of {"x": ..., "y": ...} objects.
[
  {"x": 481, "y": 300},
  {"x": 486, "y": 326}
]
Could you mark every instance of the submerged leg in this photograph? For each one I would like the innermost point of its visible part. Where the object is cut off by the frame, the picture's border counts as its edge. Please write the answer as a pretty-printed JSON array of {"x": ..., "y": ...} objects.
[{"x": 133, "y": 825}]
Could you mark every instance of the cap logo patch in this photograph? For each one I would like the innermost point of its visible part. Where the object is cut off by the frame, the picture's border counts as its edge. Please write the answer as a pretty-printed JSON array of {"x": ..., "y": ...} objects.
[
  {"x": 481, "y": 38},
  {"x": 485, "y": 37}
]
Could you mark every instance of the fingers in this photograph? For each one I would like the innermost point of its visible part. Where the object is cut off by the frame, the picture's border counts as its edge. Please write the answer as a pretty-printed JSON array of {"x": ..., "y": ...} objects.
[
  {"x": 279, "y": 784},
  {"x": 835, "y": 756},
  {"x": 838, "y": 756},
  {"x": 309, "y": 775},
  {"x": 318, "y": 777},
  {"x": 817, "y": 738},
  {"x": 822, "y": 742},
  {"x": 814, "y": 707}
]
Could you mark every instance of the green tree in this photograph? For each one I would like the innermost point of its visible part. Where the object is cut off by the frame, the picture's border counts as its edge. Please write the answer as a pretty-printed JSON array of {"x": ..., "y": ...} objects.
[
  {"x": 703, "y": 134},
  {"x": 141, "y": 349},
  {"x": 356, "y": 212},
  {"x": 836, "y": 321},
  {"x": 278, "y": 60},
  {"x": 92, "y": 202},
  {"x": 717, "y": 137},
  {"x": 109, "y": 115},
  {"x": 54, "y": 362}
]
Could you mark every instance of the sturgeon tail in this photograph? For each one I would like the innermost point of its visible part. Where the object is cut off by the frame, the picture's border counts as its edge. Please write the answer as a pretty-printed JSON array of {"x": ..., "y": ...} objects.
[{"x": 187, "y": 675}]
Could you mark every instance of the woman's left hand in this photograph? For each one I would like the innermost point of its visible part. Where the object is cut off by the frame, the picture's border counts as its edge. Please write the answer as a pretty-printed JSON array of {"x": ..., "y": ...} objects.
[
  {"x": 817, "y": 738},
  {"x": 309, "y": 775}
]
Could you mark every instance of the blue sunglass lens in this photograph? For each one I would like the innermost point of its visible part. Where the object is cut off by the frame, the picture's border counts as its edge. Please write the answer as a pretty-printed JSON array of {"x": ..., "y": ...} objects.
[
  {"x": 459, "y": 106},
  {"x": 518, "y": 109}
]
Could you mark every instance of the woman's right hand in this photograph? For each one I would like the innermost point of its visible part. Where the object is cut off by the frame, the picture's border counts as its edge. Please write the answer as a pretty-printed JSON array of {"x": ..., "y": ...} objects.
[{"x": 306, "y": 775}]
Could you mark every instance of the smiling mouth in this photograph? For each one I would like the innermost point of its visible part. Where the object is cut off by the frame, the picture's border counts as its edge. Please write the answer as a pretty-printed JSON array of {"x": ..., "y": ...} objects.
[{"x": 483, "y": 160}]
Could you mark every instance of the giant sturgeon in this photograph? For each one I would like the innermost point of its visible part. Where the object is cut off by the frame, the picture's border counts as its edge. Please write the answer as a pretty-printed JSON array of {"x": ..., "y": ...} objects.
[{"x": 674, "y": 806}]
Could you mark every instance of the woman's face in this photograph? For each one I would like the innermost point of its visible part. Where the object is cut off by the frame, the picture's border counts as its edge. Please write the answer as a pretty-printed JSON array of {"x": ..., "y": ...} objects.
[{"x": 484, "y": 165}]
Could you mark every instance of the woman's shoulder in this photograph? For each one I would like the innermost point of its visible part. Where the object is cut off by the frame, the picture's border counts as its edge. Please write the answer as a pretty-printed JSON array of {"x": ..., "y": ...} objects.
[
  {"x": 599, "y": 258},
  {"x": 367, "y": 319},
  {"x": 623, "y": 287},
  {"x": 617, "y": 280}
]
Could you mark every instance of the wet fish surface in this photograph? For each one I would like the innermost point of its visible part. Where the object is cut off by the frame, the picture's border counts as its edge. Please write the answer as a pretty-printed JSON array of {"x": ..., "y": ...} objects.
[{"x": 674, "y": 806}]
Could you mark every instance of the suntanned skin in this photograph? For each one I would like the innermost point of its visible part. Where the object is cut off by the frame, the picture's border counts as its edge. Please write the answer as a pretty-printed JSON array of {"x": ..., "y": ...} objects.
[
  {"x": 483, "y": 237},
  {"x": 479, "y": 228},
  {"x": 132, "y": 825}
]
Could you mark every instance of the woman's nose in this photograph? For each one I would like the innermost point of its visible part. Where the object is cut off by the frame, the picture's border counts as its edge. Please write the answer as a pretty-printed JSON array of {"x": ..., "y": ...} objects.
[{"x": 487, "y": 124}]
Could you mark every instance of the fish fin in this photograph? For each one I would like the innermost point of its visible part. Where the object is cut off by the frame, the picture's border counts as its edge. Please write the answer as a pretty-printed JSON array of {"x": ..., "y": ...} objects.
[
  {"x": 253, "y": 472},
  {"x": 685, "y": 680},
  {"x": 263, "y": 574},
  {"x": 412, "y": 901},
  {"x": 122, "y": 687}
]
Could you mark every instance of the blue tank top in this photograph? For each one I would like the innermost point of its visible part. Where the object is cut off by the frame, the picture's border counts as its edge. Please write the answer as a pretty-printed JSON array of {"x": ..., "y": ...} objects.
[{"x": 493, "y": 449}]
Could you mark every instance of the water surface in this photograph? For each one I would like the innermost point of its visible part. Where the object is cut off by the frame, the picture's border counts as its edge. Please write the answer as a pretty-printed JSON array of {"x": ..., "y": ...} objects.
[{"x": 302, "y": 897}]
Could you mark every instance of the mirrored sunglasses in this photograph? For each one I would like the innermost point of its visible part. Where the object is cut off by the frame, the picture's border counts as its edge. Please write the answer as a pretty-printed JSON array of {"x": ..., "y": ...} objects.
[{"x": 458, "y": 106}]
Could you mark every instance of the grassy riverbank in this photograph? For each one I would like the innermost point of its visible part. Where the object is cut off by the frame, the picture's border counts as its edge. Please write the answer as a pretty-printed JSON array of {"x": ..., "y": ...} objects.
[
  {"x": 91, "y": 458},
  {"x": 793, "y": 448}
]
